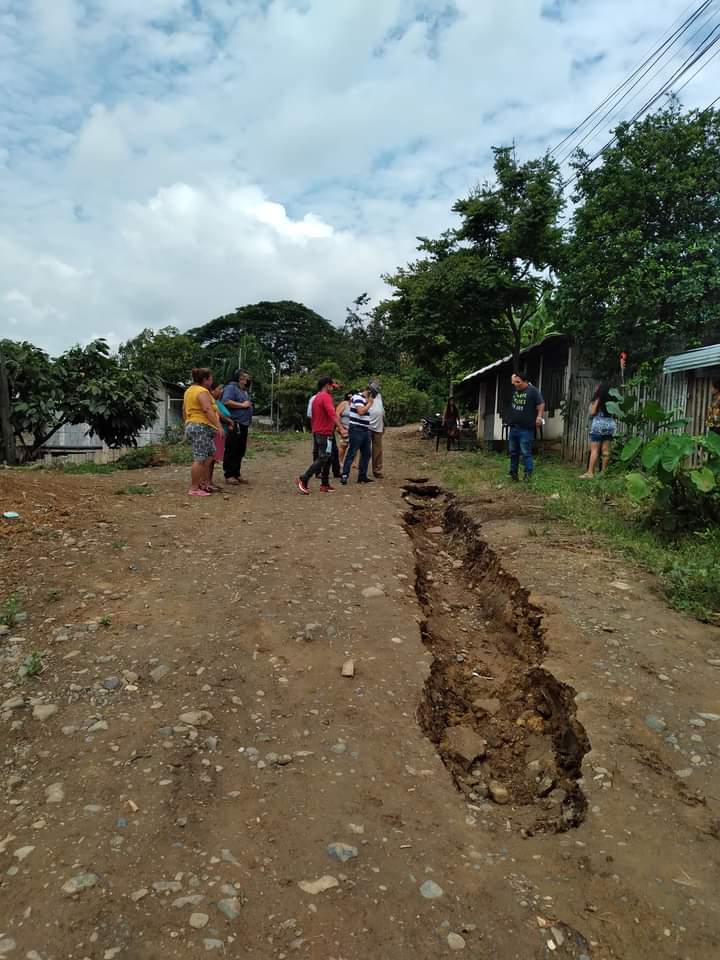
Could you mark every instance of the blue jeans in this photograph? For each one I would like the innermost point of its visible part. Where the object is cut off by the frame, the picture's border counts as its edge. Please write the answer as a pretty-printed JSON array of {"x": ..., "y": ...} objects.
[
  {"x": 358, "y": 439},
  {"x": 520, "y": 441}
]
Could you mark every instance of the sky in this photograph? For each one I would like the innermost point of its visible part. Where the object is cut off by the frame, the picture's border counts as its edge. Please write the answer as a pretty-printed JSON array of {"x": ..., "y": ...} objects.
[{"x": 165, "y": 162}]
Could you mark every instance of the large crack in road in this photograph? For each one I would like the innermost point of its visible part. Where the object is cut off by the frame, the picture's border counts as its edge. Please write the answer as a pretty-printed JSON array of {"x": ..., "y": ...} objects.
[{"x": 504, "y": 726}]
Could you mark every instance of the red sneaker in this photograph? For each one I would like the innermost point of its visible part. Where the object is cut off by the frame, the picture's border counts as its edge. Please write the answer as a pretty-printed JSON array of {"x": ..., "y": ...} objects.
[
  {"x": 300, "y": 485},
  {"x": 326, "y": 488}
]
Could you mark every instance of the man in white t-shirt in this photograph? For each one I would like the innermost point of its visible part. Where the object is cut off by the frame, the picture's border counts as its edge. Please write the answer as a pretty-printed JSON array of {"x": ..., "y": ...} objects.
[{"x": 377, "y": 428}]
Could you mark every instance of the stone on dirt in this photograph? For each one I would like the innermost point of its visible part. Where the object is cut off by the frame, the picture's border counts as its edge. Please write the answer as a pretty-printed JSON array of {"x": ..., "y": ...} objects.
[
  {"x": 464, "y": 745},
  {"x": 43, "y": 711},
  {"x": 348, "y": 668},
  {"x": 455, "y": 941},
  {"x": 83, "y": 881},
  {"x": 498, "y": 792},
  {"x": 490, "y": 707},
  {"x": 318, "y": 886},
  {"x": 431, "y": 890},
  {"x": 196, "y": 718},
  {"x": 655, "y": 723},
  {"x": 370, "y": 592},
  {"x": 231, "y": 907},
  {"x": 54, "y": 793},
  {"x": 312, "y": 631},
  {"x": 342, "y": 852},
  {"x": 199, "y": 920},
  {"x": 162, "y": 670}
]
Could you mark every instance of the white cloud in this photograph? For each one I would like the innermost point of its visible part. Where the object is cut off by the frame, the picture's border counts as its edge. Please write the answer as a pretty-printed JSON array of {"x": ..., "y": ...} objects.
[{"x": 168, "y": 161}]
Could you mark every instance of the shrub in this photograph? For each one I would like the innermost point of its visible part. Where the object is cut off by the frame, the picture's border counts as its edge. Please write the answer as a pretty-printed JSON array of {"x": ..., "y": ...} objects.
[
  {"x": 140, "y": 458},
  {"x": 403, "y": 402},
  {"x": 682, "y": 496}
]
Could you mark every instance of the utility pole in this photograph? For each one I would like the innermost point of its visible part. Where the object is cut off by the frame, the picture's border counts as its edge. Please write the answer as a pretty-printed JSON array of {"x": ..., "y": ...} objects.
[{"x": 6, "y": 431}]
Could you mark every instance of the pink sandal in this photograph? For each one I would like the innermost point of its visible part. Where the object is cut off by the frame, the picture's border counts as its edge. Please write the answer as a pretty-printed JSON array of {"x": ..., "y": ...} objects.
[{"x": 198, "y": 493}]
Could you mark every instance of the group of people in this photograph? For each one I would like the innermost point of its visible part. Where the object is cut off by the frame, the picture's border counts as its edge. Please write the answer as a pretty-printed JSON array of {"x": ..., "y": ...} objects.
[
  {"x": 217, "y": 420},
  {"x": 352, "y": 428},
  {"x": 527, "y": 414}
]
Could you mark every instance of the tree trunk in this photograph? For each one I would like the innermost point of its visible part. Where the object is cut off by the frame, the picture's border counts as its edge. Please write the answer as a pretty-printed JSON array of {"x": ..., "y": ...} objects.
[{"x": 6, "y": 430}]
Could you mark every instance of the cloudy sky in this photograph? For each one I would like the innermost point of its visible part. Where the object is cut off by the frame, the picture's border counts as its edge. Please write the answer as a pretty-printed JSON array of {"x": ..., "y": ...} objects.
[{"x": 164, "y": 161}]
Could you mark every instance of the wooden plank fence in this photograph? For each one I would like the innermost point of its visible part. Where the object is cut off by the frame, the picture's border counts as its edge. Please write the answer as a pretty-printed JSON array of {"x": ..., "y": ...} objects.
[{"x": 689, "y": 396}]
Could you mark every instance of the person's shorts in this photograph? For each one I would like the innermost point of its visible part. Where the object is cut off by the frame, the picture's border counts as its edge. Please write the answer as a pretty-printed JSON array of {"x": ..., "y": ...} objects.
[
  {"x": 202, "y": 441},
  {"x": 601, "y": 437}
]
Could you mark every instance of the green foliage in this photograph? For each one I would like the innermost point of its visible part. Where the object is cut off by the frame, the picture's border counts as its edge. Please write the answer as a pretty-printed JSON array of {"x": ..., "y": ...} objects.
[
  {"x": 640, "y": 273},
  {"x": 479, "y": 286},
  {"x": 643, "y": 418},
  {"x": 10, "y": 610},
  {"x": 681, "y": 496},
  {"x": 84, "y": 385},
  {"x": 403, "y": 402},
  {"x": 164, "y": 354},
  {"x": 292, "y": 394},
  {"x": 105, "y": 620},
  {"x": 140, "y": 458},
  {"x": 291, "y": 335},
  {"x": 686, "y": 564},
  {"x": 32, "y": 666}
]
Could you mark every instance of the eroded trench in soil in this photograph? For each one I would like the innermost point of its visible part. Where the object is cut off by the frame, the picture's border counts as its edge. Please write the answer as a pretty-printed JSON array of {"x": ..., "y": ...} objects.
[{"x": 505, "y": 727}]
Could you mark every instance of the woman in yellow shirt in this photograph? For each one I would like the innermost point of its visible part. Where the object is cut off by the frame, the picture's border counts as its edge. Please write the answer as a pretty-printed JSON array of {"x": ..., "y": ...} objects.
[{"x": 201, "y": 425}]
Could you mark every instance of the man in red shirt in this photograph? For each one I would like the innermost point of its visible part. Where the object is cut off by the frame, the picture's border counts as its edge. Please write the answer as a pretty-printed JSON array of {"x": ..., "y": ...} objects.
[{"x": 324, "y": 424}]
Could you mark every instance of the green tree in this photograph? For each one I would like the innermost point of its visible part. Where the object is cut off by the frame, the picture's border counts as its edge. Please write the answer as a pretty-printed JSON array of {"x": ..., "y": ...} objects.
[
  {"x": 291, "y": 335},
  {"x": 165, "y": 354},
  {"x": 641, "y": 272},
  {"x": 84, "y": 385},
  {"x": 479, "y": 285}
]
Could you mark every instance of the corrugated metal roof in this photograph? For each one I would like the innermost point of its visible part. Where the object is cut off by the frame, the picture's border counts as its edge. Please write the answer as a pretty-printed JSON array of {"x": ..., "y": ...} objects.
[
  {"x": 499, "y": 363},
  {"x": 693, "y": 359}
]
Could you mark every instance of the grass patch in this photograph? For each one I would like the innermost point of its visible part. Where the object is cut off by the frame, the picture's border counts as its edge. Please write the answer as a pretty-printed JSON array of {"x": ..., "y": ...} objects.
[
  {"x": 10, "y": 610},
  {"x": 84, "y": 468},
  {"x": 141, "y": 491},
  {"x": 686, "y": 567}
]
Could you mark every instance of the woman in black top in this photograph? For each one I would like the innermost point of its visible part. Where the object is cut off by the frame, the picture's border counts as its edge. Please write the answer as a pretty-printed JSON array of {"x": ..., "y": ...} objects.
[{"x": 602, "y": 430}]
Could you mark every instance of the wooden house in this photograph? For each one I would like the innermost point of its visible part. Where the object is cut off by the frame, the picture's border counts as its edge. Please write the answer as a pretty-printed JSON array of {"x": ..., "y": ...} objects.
[{"x": 489, "y": 389}]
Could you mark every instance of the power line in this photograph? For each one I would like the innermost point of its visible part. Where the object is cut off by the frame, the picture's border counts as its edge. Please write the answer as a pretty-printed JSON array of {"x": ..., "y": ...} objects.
[
  {"x": 698, "y": 53},
  {"x": 650, "y": 58},
  {"x": 697, "y": 72},
  {"x": 613, "y": 111}
]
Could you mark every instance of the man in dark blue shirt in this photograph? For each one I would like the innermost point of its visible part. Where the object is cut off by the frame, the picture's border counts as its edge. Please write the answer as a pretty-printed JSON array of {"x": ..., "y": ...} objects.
[
  {"x": 525, "y": 415},
  {"x": 237, "y": 399}
]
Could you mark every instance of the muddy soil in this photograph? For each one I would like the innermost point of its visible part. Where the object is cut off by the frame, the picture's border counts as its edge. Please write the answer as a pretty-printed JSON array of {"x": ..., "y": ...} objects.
[{"x": 523, "y": 763}]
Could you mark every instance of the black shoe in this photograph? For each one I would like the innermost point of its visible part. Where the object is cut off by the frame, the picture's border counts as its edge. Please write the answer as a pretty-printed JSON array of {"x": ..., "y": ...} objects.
[
  {"x": 365, "y": 480},
  {"x": 514, "y": 477},
  {"x": 343, "y": 480}
]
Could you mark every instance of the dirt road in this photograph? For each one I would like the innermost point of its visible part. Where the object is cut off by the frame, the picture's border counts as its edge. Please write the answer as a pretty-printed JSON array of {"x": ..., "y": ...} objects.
[{"x": 504, "y": 776}]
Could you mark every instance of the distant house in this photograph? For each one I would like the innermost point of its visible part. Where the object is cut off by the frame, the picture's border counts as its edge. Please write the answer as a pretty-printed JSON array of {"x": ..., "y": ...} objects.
[
  {"x": 75, "y": 438},
  {"x": 695, "y": 370},
  {"x": 489, "y": 389}
]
